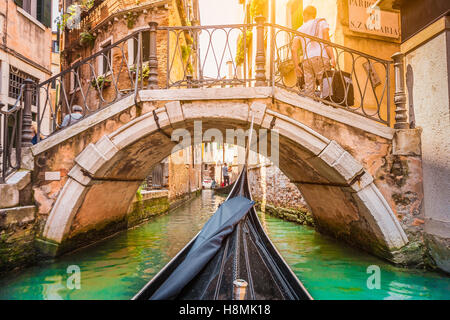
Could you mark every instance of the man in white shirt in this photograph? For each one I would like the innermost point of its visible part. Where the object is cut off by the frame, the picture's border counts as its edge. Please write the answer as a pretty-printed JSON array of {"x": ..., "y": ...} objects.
[
  {"x": 317, "y": 57},
  {"x": 75, "y": 116}
]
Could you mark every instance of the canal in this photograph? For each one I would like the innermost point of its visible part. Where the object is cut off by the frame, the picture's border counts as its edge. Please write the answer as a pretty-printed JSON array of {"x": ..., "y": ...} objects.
[{"x": 118, "y": 267}]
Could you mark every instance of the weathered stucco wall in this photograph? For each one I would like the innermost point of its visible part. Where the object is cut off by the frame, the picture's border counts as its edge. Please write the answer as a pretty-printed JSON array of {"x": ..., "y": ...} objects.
[
  {"x": 17, "y": 236},
  {"x": 429, "y": 89},
  {"x": 276, "y": 195},
  {"x": 184, "y": 173},
  {"x": 25, "y": 35}
]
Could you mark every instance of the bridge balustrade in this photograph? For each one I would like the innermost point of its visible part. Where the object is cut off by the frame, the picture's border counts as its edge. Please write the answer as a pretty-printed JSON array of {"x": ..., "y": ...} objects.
[{"x": 239, "y": 55}]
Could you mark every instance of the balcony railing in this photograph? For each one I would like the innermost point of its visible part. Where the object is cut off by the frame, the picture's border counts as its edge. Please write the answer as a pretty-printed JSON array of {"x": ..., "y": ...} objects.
[{"x": 15, "y": 130}]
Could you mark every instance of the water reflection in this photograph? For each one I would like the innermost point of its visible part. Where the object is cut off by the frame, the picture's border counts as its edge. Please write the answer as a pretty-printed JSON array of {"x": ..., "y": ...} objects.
[{"x": 120, "y": 266}]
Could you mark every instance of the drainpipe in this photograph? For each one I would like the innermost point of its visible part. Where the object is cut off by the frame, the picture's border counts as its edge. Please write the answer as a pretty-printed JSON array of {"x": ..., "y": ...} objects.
[{"x": 5, "y": 35}]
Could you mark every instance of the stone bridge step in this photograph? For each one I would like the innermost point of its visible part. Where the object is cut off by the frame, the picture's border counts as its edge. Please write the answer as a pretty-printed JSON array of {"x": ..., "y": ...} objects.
[{"x": 16, "y": 190}]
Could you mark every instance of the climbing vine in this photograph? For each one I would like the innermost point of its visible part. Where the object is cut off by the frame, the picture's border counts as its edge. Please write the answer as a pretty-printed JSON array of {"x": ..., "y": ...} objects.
[
  {"x": 131, "y": 18},
  {"x": 240, "y": 50}
]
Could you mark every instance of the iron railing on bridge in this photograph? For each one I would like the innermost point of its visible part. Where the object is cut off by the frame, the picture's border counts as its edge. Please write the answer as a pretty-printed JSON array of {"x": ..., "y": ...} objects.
[
  {"x": 15, "y": 130},
  {"x": 215, "y": 56}
]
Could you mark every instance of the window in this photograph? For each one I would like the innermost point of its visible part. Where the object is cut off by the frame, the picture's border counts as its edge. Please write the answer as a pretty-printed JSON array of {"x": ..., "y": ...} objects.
[
  {"x": 16, "y": 79},
  {"x": 75, "y": 74},
  {"x": 105, "y": 60},
  {"x": 55, "y": 46},
  {"x": 145, "y": 47},
  {"x": 41, "y": 10}
]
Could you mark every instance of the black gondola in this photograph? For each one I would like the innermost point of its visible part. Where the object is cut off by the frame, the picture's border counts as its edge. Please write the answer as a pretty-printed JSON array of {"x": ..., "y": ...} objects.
[{"x": 231, "y": 258}]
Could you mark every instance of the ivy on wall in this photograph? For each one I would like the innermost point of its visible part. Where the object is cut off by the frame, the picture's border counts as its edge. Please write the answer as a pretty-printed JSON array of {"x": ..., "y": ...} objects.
[
  {"x": 240, "y": 50},
  {"x": 295, "y": 8}
]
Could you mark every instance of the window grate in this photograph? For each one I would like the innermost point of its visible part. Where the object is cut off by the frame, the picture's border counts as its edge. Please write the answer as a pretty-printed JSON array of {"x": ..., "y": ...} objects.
[{"x": 16, "y": 79}]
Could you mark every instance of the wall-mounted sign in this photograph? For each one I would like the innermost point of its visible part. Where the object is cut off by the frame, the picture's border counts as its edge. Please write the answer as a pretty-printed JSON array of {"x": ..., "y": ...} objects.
[{"x": 364, "y": 18}]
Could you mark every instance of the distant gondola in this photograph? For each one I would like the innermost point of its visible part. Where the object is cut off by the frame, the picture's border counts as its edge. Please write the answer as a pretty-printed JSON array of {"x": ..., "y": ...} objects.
[
  {"x": 224, "y": 190},
  {"x": 231, "y": 258}
]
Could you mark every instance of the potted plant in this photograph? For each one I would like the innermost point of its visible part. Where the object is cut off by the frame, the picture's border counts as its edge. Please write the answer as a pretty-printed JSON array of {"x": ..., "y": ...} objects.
[
  {"x": 100, "y": 83},
  {"x": 145, "y": 71}
]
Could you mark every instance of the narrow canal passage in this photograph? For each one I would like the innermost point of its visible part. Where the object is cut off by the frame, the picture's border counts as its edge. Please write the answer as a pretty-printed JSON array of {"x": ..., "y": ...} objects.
[{"x": 118, "y": 267}]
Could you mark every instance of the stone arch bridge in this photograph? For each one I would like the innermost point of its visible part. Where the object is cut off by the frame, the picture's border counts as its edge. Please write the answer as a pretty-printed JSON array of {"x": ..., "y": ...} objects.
[
  {"x": 361, "y": 178},
  {"x": 350, "y": 169}
]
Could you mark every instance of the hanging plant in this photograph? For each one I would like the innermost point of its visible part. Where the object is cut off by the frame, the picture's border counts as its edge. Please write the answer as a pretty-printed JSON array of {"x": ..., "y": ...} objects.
[
  {"x": 87, "y": 39},
  {"x": 185, "y": 55},
  {"x": 185, "y": 52},
  {"x": 72, "y": 17},
  {"x": 189, "y": 68},
  {"x": 259, "y": 8},
  {"x": 240, "y": 50},
  {"x": 100, "y": 83}
]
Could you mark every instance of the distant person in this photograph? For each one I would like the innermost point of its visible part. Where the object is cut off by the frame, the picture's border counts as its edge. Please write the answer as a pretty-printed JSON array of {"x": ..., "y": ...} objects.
[
  {"x": 226, "y": 177},
  {"x": 75, "y": 116},
  {"x": 317, "y": 58},
  {"x": 34, "y": 129}
]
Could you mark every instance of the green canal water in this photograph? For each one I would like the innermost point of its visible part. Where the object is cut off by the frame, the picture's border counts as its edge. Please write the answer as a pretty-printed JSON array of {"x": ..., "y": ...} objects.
[{"x": 118, "y": 267}]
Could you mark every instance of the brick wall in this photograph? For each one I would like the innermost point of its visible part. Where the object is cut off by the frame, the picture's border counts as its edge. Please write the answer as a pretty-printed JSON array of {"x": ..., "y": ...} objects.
[{"x": 276, "y": 187}]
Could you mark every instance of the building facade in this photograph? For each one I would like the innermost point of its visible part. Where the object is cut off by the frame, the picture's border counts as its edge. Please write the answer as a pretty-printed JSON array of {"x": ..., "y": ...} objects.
[
  {"x": 426, "y": 47},
  {"x": 25, "y": 50}
]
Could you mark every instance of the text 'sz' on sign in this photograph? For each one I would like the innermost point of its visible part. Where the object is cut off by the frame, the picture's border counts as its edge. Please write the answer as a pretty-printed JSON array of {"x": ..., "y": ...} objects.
[{"x": 364, "y": 17}]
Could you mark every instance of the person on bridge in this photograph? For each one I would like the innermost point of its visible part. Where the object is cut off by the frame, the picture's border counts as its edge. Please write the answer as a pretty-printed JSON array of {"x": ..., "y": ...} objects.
[
  {"x": 317, "y": 57},
  {"x": 75, "y": 116},
  {"x": 34, "y": 130},
  {"x": 226, "y": 177}
]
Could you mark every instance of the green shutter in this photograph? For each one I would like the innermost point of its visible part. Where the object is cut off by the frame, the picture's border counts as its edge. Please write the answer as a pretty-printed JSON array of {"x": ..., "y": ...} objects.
[
  {"x": 19, "y": 3},
  {"x": 44, "y": 12}
]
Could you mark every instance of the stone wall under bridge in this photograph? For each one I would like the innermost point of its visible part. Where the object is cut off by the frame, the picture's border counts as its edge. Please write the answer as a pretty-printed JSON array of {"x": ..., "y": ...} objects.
[{"x": 362, "y": 180}]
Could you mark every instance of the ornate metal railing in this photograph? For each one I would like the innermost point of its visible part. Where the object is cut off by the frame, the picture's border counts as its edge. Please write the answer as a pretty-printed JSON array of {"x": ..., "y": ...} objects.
[
  {"x": 236, "y": 55},
  {"x": 220, "y": 56},
  {"x": 95, "y": 82},
  {"x": 208, "y": 56},
  {"x": 331, "y": 73},
  {"x": 204, "y": 56}
]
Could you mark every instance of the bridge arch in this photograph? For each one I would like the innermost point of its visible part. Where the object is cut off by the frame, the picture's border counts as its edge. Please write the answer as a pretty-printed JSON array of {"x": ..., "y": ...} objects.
[{"x": 341, "y": 193}]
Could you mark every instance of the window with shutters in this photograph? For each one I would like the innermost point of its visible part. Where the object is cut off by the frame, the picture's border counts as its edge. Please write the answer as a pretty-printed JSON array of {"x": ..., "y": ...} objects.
[
  {"x": 145, "y": 47},
  {"x": 55, "y": 46},
  {"x": 105, "y": 60},
  {"x": 41, "y": 10}
]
